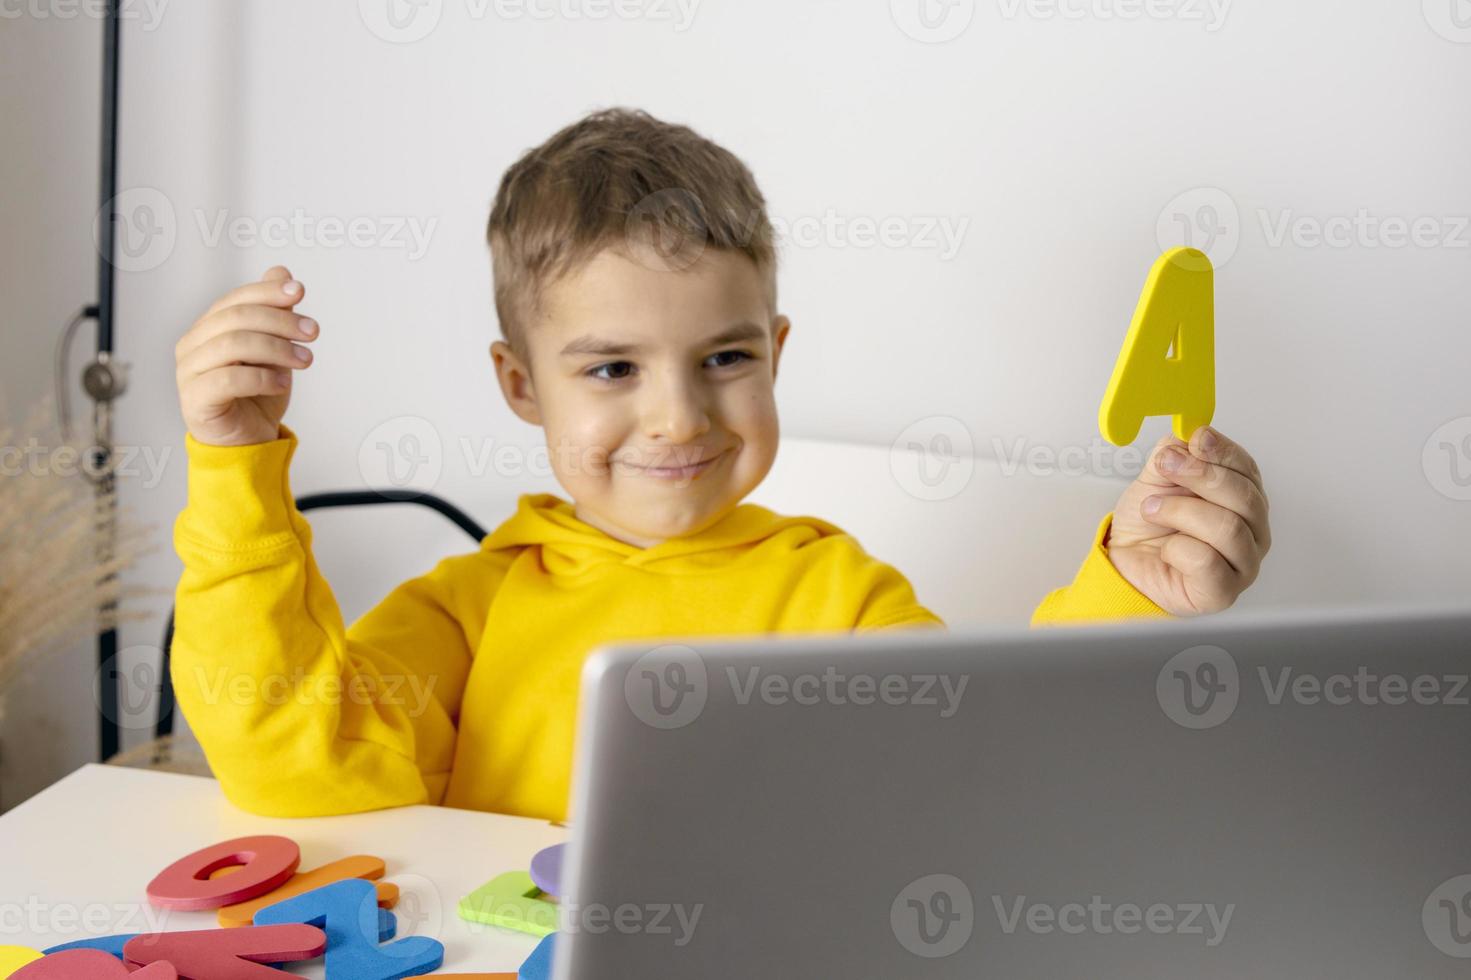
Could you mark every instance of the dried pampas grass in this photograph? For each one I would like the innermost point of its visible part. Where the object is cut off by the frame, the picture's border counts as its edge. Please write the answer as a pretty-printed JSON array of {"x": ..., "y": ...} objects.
[{"x": 55, "y": 586}]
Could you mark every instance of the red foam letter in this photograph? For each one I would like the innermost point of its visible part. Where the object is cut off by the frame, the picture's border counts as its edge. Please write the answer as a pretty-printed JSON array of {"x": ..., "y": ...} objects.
[
  {"x": 228, "y": 954},
  {"x": 264, "y": 863},
  {"x": 90, "y": 964}
]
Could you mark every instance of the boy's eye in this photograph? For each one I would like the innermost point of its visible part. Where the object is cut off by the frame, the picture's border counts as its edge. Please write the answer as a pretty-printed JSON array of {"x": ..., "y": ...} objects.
[
  {"x": 618, "y": 370},
  {"x": 738, "y": 355}
]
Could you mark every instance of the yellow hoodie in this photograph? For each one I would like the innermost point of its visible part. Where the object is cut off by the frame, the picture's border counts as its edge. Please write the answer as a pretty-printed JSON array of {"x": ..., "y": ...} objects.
[{"x": 460, "y": 687}]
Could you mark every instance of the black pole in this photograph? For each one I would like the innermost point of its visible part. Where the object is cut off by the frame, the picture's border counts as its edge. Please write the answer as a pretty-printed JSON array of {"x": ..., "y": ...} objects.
[
  {"x": 107, "y": 721},
  {"x": 109, "y": 177}
]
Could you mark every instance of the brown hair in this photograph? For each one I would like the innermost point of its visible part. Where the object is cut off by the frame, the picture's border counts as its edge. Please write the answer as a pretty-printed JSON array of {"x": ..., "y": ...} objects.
[{"x": 619, "y": 178}]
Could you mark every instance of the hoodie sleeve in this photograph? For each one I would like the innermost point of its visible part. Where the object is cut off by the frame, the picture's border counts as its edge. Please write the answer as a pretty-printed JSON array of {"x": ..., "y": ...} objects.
[
  {"x": 887, "y": 598},
  {"x": 297, "y": 715},
  {"x": 1098, "y": 592}
]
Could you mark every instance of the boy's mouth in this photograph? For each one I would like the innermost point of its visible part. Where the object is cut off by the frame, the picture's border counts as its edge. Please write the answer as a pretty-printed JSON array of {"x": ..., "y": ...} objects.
[{"x": 680, "y": 472}]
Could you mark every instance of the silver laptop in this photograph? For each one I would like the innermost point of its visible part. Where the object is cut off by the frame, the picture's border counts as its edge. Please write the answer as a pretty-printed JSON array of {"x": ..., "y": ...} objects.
[{"x": 1282, "y": 796}]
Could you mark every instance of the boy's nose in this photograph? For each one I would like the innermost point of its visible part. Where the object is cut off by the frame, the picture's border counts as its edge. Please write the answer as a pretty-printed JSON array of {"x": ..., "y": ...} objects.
[{"x": 676, "y": 414}]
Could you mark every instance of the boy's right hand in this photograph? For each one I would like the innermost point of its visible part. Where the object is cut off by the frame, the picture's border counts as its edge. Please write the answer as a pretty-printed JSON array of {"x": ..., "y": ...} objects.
[{"x": 234, "y": 365}]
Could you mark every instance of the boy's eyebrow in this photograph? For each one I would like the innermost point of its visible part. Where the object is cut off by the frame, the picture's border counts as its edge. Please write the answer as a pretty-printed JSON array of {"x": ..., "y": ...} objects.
[{"x": 588, "y": 344}]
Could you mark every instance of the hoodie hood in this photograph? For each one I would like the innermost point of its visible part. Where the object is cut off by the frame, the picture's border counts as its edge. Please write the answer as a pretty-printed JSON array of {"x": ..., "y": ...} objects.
[{"x": 570, "y": 546}]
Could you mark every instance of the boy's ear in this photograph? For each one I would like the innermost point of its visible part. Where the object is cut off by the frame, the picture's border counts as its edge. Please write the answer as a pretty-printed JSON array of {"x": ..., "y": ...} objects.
[
  {"x": 514, "y": 376},
  {"x": 780, "y": 327}
]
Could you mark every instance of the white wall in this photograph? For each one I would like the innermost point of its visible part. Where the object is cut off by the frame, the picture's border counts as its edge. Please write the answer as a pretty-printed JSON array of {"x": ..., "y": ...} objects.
[
  {"x": 50, "y": 74},
  {"x": 1058, "y": 146}
]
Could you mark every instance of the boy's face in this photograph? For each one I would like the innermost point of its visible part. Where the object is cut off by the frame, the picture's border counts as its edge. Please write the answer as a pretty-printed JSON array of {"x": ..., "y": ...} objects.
[{"x": 655, "y": 388}]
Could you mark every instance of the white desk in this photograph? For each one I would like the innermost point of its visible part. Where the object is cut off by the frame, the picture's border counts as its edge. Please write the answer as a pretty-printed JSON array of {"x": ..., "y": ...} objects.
[{"x": 76, "y": 858}]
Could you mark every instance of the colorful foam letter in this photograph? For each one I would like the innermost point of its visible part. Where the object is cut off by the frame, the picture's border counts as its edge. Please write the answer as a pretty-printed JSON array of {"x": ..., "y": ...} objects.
[
  {"x": 228, "y": 954},
  {"x": 510, "y": 901},
  {"x": 538, "y": 965},
  {"x": 90, "y": 964},
  {"x": 112, "y": 945},
  {"x": 358, "y": 866},
  {"x": 12, "y": 958},
  {"x": 546, "y": 869},
  {"x": 1168, "y": 362},
  {"x": 264, "y": 863},
  {"x": 348, "y": 912}
]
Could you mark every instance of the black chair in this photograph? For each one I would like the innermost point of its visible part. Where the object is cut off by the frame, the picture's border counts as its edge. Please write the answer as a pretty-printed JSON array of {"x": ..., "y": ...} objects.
[{"x": 164, "y": 725}]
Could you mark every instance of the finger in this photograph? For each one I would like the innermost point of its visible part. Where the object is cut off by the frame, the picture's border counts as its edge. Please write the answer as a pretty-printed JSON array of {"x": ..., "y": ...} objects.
[
  {"x": 1220, "y": 485},
  {"x": 216, "y": 389},
  {"x": 242, "y": 347},
  {"x": 1152, "y": 474},
  {"x": 276, "y": 273},
  {"x": 1208, "y": 444},
  {"x": 1210, "y": 583},
  {"x": 1222, "y": 529},
  {"x": 274, "y": 292},
  {"x": 286, "y": 324}
]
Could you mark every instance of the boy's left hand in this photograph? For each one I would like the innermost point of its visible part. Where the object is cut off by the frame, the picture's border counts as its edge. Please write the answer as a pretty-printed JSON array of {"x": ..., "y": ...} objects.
[{"x": 1190, "y": 533}]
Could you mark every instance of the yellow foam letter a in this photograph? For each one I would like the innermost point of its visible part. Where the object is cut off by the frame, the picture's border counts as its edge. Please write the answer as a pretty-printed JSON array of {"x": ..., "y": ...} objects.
[
  {"x": 1168, "y": 364},
  {"x": 12, "y": 958}
]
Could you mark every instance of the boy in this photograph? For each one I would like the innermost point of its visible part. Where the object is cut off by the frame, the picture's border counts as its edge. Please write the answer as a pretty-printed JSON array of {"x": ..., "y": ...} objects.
[{"x": 645, "y": 341}]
